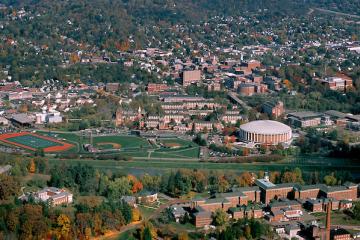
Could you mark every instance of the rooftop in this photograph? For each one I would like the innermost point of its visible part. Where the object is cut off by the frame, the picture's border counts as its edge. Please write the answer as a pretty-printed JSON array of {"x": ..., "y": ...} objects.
[
  {"x": 305, "y": 114},
  {"x": 265, "y": 127}
]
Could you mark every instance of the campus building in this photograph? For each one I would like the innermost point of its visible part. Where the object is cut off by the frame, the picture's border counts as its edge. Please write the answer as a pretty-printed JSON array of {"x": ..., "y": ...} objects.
[{"x": 55, "y": 196}]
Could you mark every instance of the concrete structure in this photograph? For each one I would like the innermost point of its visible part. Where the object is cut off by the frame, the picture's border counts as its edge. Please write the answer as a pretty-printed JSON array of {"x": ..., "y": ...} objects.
[{"x": 265, "y": 132}]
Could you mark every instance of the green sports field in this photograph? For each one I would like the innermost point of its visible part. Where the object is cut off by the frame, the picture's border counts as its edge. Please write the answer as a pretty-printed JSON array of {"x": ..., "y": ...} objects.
[
  {"x": 124, "y": 142},
  {"x": 33, "y": 141}
]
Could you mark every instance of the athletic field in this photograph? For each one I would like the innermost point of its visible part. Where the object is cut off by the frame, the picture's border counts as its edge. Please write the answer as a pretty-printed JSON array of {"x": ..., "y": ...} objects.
[{"x": 33, "y": 142}]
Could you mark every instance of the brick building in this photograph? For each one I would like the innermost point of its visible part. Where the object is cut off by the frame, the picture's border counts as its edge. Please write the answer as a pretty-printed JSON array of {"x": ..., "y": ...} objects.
[
  {"x": 190, "y": 77},
  {"x": 275, "y": 109},
  {"x": 271, "y": 191},
  {"x": 304, "y": 119},
  {"x": 156, "y": 88}
]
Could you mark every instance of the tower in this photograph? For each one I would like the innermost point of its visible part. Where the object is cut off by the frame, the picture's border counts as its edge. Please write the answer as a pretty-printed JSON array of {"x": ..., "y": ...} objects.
[{"x": 328, "y": 220}]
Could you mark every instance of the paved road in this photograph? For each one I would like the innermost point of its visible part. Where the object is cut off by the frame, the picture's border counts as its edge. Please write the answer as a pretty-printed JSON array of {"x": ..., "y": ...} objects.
[
  {"x": 336, "y": 13},
  {"x": 234, "y": 97}
]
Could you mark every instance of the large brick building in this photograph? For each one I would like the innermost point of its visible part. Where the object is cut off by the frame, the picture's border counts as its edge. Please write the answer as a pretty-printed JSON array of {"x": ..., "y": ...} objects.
[
  {"x": 269, "y": 191},
  {"x": 190, "y": 77},
  {"x": 284, "y": 201}
]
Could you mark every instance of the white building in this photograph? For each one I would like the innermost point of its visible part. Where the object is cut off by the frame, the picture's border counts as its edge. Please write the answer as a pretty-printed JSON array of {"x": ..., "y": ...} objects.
[{"x": 55, "y": 195}]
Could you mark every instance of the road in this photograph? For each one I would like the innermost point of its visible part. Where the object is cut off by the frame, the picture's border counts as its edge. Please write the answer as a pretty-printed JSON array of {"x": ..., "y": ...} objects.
[
  {"x": 233, "y": 96},
  {"x": 334, "y": 12}
]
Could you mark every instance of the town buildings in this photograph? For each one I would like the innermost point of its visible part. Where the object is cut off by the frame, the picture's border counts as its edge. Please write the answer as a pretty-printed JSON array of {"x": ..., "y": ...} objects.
[{"x": 285, "y": 202}]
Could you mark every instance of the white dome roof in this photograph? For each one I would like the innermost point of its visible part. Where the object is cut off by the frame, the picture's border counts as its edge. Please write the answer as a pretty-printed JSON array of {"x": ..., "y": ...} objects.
[{"x": 265, "y": 127}]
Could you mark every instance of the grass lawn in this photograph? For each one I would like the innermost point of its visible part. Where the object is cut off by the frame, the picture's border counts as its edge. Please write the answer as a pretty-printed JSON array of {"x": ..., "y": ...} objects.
[
  {"x": 146, "y": 212},
  {"x": 176, "y": 153},
  {"x": 338, "y": 218},
  {"x": 158, "y": 166},
  {"x": 124, "y": 236},
  {"x": 180, "y": 142},
  {"x": 183, "y": 227}
]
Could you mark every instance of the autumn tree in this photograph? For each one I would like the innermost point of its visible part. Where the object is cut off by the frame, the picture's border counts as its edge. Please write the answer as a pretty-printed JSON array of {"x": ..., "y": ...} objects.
[
  {"x": 220, "y": 218},
  {"x": 136, "y": 185},
  {"x": 245, "y": 179},
  {"x": 32, "y": 166},
  {"x": 183, "y": 236},
  {"x": 147, "y": 231},
  {"x": 136, "y": 215},
  {"x": 330, "y": 180},
  {"x": 8, "y": 187},
  {"x": 63, "y": 230}
]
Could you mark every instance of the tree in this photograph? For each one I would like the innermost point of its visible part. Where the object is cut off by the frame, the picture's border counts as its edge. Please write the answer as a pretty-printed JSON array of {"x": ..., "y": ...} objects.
[
  {"x": 32, "y": 166},
  {"x": 245, "y": 179},
  {"x": 12, "y": 220},
  {"x": 183, "y": 236},
  {"x": 119, "y": 187},
  {"x": 63, "y": 230},
  {"x": 220, "y": 218},
  {"x": 147, "y": 231},
  {"x": 356, "y": 211},
  {"x": 136, "y": 215},
  {"x": 136, "y": 185},
  {"x": 8, "y": 187},
  {"x": 333, "y": 135},
  {"x": 330, "y": 180},
  {"x": 97, "y": 225},
  {"x": 126, "y": 212}
]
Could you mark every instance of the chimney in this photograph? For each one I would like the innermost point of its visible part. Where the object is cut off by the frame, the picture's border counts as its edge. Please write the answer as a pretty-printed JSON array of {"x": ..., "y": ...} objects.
[{"x": 328, "y": 220}]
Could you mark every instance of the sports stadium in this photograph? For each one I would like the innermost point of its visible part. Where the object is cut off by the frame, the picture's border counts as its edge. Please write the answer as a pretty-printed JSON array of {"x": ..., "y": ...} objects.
[{"x": 265, "y": 132}]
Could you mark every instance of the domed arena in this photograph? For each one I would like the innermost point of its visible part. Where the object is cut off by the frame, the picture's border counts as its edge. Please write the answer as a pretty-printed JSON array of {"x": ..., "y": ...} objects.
[{"x": 265, "y": 132}]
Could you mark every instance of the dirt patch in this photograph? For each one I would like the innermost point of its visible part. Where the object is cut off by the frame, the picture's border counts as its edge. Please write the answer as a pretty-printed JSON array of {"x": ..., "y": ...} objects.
[
  {"x": 172, "y": 145},
  {"x": 114, "y": 145}
]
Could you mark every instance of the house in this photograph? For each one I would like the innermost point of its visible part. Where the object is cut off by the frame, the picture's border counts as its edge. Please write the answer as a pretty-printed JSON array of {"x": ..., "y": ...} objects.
[{"x": 178, "y": 212}]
